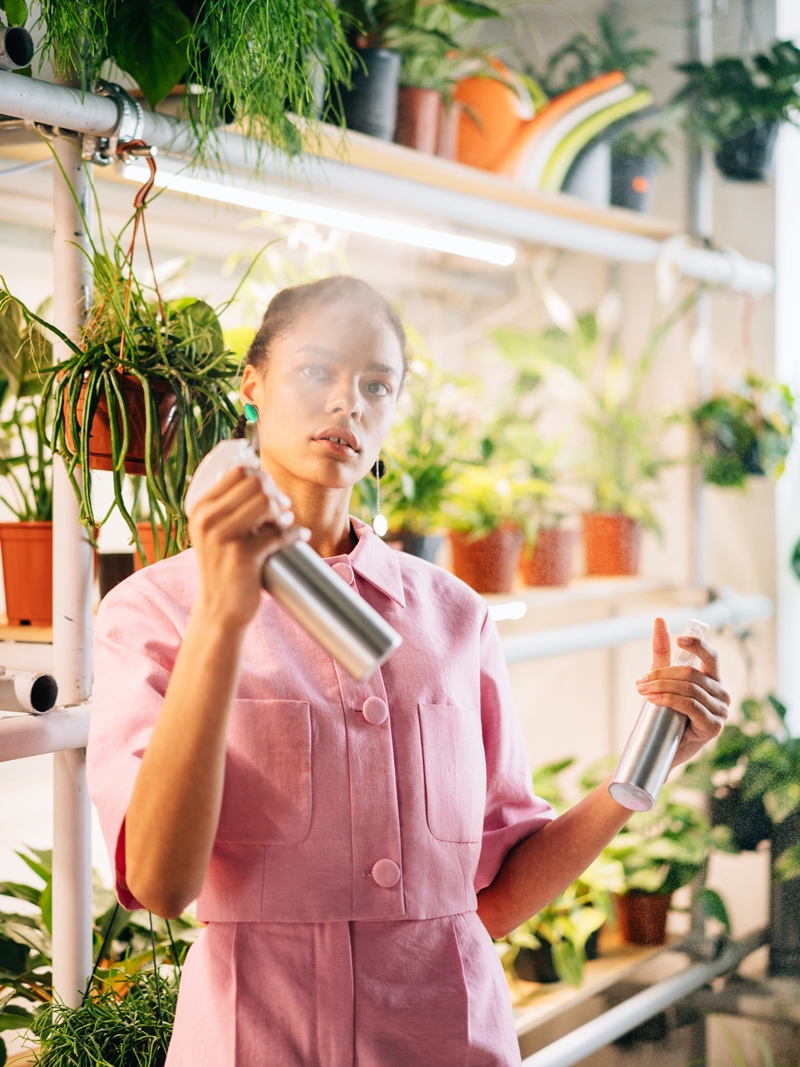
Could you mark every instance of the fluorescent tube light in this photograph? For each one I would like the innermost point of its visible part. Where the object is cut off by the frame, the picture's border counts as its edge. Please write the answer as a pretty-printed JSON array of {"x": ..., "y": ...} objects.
[
  {"x": 512, "y": 609},
  {"x": 419, "y": 236}
]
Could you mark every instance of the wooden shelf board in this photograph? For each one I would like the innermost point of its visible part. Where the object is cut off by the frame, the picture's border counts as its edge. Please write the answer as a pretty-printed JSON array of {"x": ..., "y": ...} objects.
[
  {"x": 536, "y": 1004},
  {"x": 36, "y": 635}
]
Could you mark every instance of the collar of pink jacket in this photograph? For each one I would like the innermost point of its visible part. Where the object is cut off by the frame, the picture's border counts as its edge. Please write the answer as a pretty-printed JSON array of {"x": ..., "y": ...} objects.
[{"x": 376, "y": 562}]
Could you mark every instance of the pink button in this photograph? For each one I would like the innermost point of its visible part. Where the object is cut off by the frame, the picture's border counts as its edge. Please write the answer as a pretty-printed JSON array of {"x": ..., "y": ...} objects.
[
  {"x": 375, "y": 712},
  {"x": 386, "y": 873},
  {"x": 345, "y": 572}
]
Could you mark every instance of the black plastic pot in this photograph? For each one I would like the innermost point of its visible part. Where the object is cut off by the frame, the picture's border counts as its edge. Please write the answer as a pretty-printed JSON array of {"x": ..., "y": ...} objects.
[
  {"x": 370, "y": 106},
  {"x": 632, "y": 182},
  {"x": 422, "y": 545},
  {"x": 748, "y": 158},
  {"x": 748, "y": 819},
  {"x": 784, "y": 947},
  {"x": 536, "y": 964},
  {"x": 113, "y": 568}
]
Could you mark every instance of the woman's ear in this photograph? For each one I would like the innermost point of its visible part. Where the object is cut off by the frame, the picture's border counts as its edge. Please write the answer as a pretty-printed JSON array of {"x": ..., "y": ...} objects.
[{"x": 250, "y": 387}]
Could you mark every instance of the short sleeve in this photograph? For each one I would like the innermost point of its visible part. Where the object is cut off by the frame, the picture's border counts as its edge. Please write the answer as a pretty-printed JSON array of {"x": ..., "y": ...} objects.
[
  {"x": 512, "y": 812},
  {"x": 135, "y": 646}
]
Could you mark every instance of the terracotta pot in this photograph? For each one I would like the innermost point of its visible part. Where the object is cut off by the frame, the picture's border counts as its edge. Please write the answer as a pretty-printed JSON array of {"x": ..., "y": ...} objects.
[
  {"x": 418, "y": 118},
  {"x": 449, "y": 121},
  {"x": 642, "y": 917},
  {"x": 100, "y": 434},
  {"x": 549, "y": 560},
  {"x": 148, "y": 544},
  {"x": 28, "y": 572},
  {"x": 488, "y": 564},
  {"x": 611, "y": 542}
]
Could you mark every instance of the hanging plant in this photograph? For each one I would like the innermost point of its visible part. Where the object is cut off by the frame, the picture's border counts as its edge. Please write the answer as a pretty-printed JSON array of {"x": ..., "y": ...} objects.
[
  {"x": 745, "y": 432},
  {"x": 145, "y": 390},
  {"x": 241, "y": 61}
]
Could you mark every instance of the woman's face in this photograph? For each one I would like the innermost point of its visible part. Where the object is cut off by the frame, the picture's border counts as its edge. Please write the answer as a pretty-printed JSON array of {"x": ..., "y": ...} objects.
[{"x": 327, "y": 398}]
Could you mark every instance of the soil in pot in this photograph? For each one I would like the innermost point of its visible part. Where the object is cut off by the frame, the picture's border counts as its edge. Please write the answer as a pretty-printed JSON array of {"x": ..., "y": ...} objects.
[
  {"x": 113, "y": 568},
  {"x": 488, "y": 564},
  {"x": 611, "y": 543},
  {"x": 748, "y": 158},
  {"x": 418, "y": 112},
  {"x": 642, "y": 917},
  {"x": 748, "y": 819},
  {"x": 133, "y": 396},
  {"x": 28, "y": 572},
  {"x": 549, "y": 561},
  {"x": 424, "y": 546},
  {"x": 370, "y": 105},
  {"x": 536, "y": 964},
  {"x": 632, "y": 182}
]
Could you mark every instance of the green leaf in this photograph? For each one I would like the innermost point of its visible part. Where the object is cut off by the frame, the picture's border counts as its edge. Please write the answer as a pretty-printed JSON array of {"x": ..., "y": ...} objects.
[
  {"x": 13, "y": 956},
  {"x": 149, "y": 39},
  {"x": 14, "y": 1017},
  {"x": 714, "y": 907},
  {"x": 16, "y": 12},
  {"x": 20, "y": 892},
  {"x": 568, "y": 963},
  {"x": 471, "y": 9},
  {"x": 787, "y": 865},
  {"x": 46, "y": 904},
  {"x": 3, "y": 1053}
]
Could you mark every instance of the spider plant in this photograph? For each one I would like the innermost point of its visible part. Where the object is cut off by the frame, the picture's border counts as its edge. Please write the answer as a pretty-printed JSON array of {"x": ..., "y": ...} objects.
[
  {"x": 133, "y": 336},
  {"x": 242, "y": 61}
]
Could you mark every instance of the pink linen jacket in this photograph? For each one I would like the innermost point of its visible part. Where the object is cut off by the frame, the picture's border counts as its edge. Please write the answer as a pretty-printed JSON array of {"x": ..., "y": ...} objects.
[{"x": 393, "y": 798}]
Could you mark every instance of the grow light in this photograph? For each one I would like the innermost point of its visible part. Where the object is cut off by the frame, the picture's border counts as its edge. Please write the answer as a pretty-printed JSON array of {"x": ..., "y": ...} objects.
[
  {"x": 420, "y": 236},
  {"x": 513, "y": 609}
]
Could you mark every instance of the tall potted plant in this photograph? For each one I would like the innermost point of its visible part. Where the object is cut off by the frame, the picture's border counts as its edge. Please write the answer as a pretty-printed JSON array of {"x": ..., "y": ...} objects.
[
  {"x": 734, "y": 107},
  {"x": 634, "y": 161},
  {"x": 26, "y": 465}
]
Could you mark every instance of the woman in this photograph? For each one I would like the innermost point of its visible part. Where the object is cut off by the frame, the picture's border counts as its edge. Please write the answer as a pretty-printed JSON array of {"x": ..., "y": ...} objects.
[{"x": 353, "y": 845}]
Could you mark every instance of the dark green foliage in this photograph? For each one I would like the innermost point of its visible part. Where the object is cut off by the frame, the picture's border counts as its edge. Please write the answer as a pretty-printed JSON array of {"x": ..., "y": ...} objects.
[
  {"x": 25, "y": 460},
  {"x": 585, "y": 56},
  {"x": 732, "y": 95},
  {"x": 142, "y": 30},
  {"x": 631, "y": 145},
  {"x": 746, "y": 432},
  {"x": 16, "y": 12},
  {"x": 252, "y": 62}
]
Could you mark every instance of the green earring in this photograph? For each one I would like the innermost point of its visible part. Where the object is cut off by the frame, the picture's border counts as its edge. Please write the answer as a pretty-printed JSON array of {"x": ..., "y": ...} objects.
[{"x": 251, "y": 413}]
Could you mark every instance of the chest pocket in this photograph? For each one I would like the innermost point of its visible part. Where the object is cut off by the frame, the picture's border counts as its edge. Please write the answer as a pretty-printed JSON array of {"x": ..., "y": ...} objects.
[
  {"x": 455, "y": 772},
  {"x": 267, "y": 794}
]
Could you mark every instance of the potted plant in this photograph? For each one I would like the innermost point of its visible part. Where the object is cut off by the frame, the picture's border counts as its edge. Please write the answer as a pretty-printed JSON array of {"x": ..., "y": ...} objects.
[
  {"x": 752, "y": 780},
  {"x": 746, "y": 431},
  {"x": 121, "y": 1017},
  {"x": 433, "y": 61},
  {"x": 734, "y": 107},
  {"x": 240, "y": 61},
  {"x": 634, "y": 160},
  {"x": 421, "y": 458},
  {"x": 146, "y": 389},
  {"x": 485, "y": 513},
  {"x": 26, "y": 464}
]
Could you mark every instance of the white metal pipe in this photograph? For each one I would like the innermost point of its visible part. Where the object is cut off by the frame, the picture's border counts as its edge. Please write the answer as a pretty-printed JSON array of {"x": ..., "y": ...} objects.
[
  {"x": 73, "y": 573},
  {"x": 607, "y": 633},
  {"x": 40, "y": 101},
  {"x": 72, "y": 876},
  {"x": 35, "y": 735},
  {"x": 612, "y": 1024}
]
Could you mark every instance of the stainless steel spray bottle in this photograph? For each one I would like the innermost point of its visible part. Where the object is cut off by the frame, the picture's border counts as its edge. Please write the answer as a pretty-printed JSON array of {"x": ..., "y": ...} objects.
[
  {"x": 648, "y": 755},
  {"x": 345, "y": 625}
]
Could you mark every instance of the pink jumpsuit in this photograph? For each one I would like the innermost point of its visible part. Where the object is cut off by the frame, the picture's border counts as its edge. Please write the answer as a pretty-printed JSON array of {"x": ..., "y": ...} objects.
[{"x": 359, "y": 819}]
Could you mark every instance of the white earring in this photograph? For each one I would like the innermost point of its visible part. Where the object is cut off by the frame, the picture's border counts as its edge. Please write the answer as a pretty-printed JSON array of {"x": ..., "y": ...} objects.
[{"x": 379, "y": 523}]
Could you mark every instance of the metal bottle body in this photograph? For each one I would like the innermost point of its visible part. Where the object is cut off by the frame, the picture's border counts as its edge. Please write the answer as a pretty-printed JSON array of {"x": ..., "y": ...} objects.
[
  {"x": 647, "y": 757},
  {"x": 345, "y": 625}
]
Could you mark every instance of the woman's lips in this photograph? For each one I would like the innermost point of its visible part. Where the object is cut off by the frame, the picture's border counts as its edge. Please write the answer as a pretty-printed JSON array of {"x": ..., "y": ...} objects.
[{"x": 337, "y": 447}]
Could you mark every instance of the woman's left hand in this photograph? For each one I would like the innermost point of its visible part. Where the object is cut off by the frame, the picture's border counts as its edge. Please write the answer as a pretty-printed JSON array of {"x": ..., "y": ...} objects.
[{"x": 698, "y": 694}]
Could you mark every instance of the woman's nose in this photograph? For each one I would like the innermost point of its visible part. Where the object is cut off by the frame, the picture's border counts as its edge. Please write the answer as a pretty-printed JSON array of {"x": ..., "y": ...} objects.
[{"x": 346, "y": 402}]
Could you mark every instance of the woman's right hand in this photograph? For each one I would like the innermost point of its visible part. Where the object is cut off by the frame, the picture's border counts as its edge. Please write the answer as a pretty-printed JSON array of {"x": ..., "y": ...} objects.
[{"x": 233, "y": 528}]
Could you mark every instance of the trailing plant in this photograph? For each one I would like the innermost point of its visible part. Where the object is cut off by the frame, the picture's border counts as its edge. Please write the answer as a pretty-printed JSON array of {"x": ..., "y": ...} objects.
[
  {"x": 586, "y": 55},
  {"x": 747, "y": 431},
  {"x": 123, "y": 945},
  {"x": 752, "y": 779},
  {"x": 131, "y": 331},
  {"x": 731, "y": 96},
  {"x": 240, "y": 61},
  {"x": 375, "y": 23},
  {"x": 25, "y": 460}
]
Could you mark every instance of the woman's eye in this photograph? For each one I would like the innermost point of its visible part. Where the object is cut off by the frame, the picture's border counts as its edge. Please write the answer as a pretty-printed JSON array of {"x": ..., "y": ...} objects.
[
  {"x": 314, "y": 371},
  {"x": 378, "y": 388}
]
